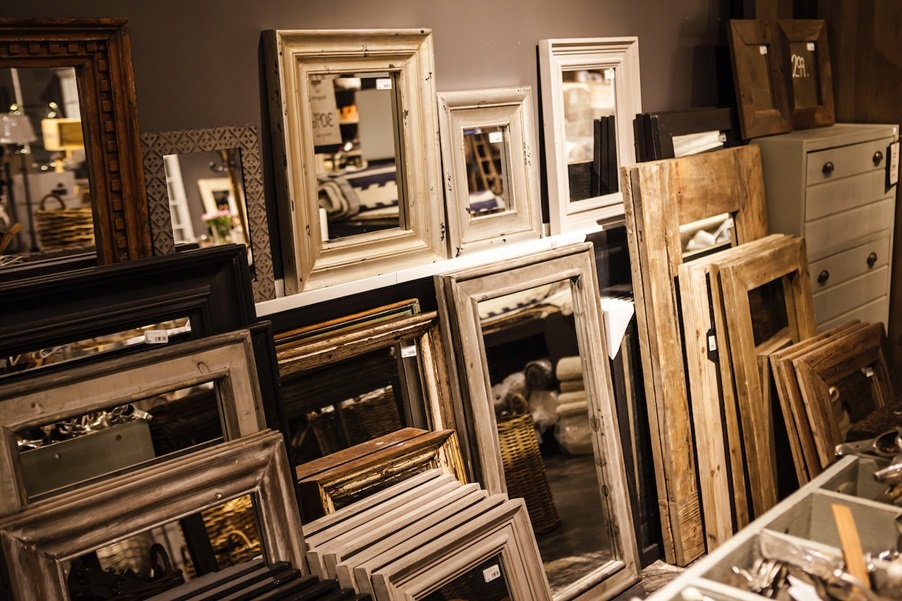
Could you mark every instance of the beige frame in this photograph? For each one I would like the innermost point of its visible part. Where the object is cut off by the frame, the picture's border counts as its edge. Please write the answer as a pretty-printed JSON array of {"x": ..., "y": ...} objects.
[
  {"x": 555, "y": 57},
  {"x": 226, "y": 359},
  {"x": 37, "y": 541},
  {"x": 460, "y": 294},
  {"x": 293, "y": 56},
  {"x": 511, "y": 110}
]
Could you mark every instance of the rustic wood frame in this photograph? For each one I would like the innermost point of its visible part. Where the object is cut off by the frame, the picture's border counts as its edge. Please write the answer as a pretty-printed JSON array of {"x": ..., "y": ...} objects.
[
  {"x": 291, "y": 56},
  {"x": 38, "y": 540},
  {"x": 555, "y": 57},
  {"x": 227, "y": 360},
  {"x": 660, "y": 196},
  {"x": 503, "y": 531},
  {"x": 157, "y": 145},
  {"x": 511, "y": 110},
  {"x": 830, "y": 362},
  {"x": 460, "y": 294},
  {"x": 100, "y": 52},
  {"x": 788, "y": 262},
  {"x": 754, "y": 120},
  {"x": 813, "y": 31}
]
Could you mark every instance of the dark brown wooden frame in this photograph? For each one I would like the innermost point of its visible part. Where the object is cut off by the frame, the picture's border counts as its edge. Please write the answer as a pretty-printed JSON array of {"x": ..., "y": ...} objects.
[
  {"x": 807, "y": 30},
  {"x": 757, "y": 121},
  {"x": 100, "y": 52}
]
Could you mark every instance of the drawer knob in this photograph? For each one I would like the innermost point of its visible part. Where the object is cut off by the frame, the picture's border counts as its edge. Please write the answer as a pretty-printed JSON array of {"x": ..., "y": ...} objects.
[
  {"x": 828, "y": 168},
  {"x": 872, "y": 258},
  {"x": 823, "y": 276},
  {"x": 877, "y": 158}
]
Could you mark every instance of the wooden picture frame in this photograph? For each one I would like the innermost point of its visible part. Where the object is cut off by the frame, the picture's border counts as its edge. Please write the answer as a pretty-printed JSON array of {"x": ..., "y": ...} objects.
[
  {"x": 226, "y": 360},
  {"x": 787, "y": 262},
  {"x": 659, "y": 197},
  {"x": 292, "y": 57},
  {"x": 100, "y": 52},
  {"x": 520, "y": 218},
  {"x": 806, "y": 57},
  {"x": 758, "y": 76},
  {"x": 155, "y": 146},
  {"x": 460, "y": 294},
  {"x": 556, "y": 56},
  {"x": 36, "y": 542},
  {"x": 822, "y": 367}
]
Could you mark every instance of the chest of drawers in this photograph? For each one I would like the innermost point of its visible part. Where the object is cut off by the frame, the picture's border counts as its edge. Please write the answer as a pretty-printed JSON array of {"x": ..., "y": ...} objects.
[{"x": 830, "y": 185}]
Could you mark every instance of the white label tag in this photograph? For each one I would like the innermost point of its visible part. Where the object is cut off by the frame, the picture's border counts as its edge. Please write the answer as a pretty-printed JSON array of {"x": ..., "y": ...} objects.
[
  {"x": 496, "y": 137},
  {"x": 712, "y": 344},
  {"x": 762, "y": 49},
  {"x": 868, "y": 372},
  {"x": 491, "y": 573},
  {"x": 810, "y": 46},
  {"x": 156, "y": 337},
  {"x": 608, "y": 74},
  {"x": 409, "y": 351},
  {"x": 383, "y": 84},
  {"x": 893, "y": 163}
]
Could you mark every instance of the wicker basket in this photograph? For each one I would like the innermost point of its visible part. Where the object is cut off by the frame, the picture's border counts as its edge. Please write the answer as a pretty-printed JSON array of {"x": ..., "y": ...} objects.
[
  {"x": 524, "y": 471},
  {"x": 232, "y": 528},
  {"x": 364, "y": 418},
  {"x": 62, "y": 227}
]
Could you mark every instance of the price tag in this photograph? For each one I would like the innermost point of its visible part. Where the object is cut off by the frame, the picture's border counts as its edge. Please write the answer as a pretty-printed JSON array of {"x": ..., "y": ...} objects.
[
  {"x": 383, "y": 83},
  {"x": 324, "y": 113},
  {"x": 409, "y": 351},
  {"x": 809, "y": 46},
  {"x": 491, "y": 573},
  {"x": 496, "y": 137},
  {"x": 608, "y": 74},
  {"x": 762, "y": 49},
  {"x": 156, "y": 336},
  {"x": 893, "y": 163}
]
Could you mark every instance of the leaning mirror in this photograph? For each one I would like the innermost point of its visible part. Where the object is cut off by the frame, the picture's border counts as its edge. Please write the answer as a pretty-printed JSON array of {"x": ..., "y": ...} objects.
[
  {"x": 590, "y": 95},
  {"x": 355, "y": 135},
  {"x": 70, "y": 180},
  {"x": 491, "y": 179},
  {"x": 205, "y": 187}
]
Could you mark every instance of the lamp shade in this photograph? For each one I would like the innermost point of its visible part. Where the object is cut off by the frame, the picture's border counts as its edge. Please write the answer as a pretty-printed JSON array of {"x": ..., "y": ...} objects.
[{"x": 15, "y": 128}]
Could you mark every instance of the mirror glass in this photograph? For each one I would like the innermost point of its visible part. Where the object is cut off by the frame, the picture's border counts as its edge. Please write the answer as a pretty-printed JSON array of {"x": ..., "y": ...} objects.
[
  {"x": 762, "y": 91},
  {"x": 355, "y": 138},
  {"x": 44, "y": 177},
  {"x": 206, "y": 197},
  {"x": 590, "y": 136},
  {"x": 486, "y": 171},
  {"x": 486, "y": 581}
]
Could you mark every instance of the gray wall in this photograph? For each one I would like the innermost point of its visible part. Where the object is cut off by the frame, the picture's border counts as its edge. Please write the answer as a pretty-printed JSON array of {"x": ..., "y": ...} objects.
[{"x": 197, "y": 63}]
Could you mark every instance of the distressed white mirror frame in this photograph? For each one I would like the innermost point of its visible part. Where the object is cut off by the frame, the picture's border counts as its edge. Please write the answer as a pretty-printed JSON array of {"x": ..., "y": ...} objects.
[
  {"x": 292, "y": 58},
  {"x": 509, "y": 109},
  {"x": 555, "y": 57},
  {"x": 460, "y": 294}
]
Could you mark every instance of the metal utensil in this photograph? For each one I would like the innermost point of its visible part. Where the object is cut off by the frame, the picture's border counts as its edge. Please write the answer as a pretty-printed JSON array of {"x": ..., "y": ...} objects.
[{"x": 888, "y": 444}]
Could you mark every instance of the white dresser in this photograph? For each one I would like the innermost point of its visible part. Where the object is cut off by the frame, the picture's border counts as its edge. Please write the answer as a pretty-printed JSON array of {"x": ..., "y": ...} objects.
[{"x": 830, "y": 185}]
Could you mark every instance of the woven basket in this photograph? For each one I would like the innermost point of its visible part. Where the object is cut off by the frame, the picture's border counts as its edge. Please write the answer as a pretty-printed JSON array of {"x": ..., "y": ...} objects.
[
  {"x": 365, "y": 418},
  {"x": 524, "y": 471},
  {"x": 62, "y": 227},
  {"x": 232, "y": 528}
]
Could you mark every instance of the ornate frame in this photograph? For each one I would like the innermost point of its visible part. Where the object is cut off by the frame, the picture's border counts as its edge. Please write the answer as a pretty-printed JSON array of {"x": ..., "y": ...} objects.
[
  {"x": 227, "y": 360},
  {"x": 291, "y": 56},
  {"x": 555, "y": 57},
  {"x": 37, "y": 541},
  {"x": 813, "y": 31},
  {"x": 511, "y": 110},
  {"x": 155, "y": 146},
  {"x": 100, "y": 52}
]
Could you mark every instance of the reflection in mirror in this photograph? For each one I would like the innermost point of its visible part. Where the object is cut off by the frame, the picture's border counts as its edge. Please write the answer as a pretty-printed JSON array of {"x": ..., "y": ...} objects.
[
  {"x": 486, "y": 171},
  {"x": 44, "y": 183},
  {"x": 355, "y": 135},
  {"x": 486, "y": 581},
  {"x": 590, "y": 136},
  {"x": 206, "y": 198}
]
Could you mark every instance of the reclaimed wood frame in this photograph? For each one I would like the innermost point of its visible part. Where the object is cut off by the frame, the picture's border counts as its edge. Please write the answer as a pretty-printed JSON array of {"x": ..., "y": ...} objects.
[
  {"x": 756, "y": 121},
  {"x": 100, "y": 52},
  {"x": 509, "y": 109},
  {"x": 291, "y": 57},
  {"x": 37, "y": 541},
  {"x": 226, "y": 360},
  {"x": 842, "y": 355},
  {"x": 555, "y": 57},
  {"x": 659, "y": 196},
  {"x": 155, "y": 146},
  {"x": 787, "y": 262},
  {"x": 813, "y": 31},
  {"x": 460, "y": 294}
]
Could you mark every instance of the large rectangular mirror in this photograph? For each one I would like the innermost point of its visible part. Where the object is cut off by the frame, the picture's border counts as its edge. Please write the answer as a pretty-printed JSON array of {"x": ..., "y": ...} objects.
[{"x": 355, "y": 135}]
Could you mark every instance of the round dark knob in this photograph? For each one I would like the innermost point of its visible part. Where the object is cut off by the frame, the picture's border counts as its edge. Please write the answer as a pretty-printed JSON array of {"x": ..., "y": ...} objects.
[
  {"x": 823, "y": 276},
  {"x": 828, "y": 168},
  {"x": 878, "y": 156},
  {"x": 872, "y": 258}
]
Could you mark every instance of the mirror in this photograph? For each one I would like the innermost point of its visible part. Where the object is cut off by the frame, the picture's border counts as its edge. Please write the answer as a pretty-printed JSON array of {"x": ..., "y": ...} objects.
[
  {"x": 69, "y": 130},
  {"x": 590, "y": 95},
  {"x": 354, "y": 138},
  {"x": 491, "y": 179},
  {"x": 205, "y": 187}
]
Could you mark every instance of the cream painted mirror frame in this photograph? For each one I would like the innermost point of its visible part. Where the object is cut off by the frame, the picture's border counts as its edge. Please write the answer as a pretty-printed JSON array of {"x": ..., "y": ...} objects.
[
  {"x": 555, "y": 57},
  {"x": 509, "y": 109},
  {"x": 291, "y": 57}
]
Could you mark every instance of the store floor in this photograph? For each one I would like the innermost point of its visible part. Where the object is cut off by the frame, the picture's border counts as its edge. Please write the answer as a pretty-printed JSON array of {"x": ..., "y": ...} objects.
[{"x": 655, "y": 576}]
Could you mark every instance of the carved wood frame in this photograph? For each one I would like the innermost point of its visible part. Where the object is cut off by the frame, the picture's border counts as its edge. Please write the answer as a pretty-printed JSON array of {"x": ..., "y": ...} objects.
[{"x": 100, "y": 52}]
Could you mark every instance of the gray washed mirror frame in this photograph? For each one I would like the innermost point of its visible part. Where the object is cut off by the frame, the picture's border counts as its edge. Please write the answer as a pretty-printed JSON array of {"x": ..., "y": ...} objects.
[{"x": 156, "y": 145}]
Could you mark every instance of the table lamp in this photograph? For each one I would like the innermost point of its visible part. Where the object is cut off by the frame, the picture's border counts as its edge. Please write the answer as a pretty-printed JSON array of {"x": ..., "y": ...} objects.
[{"x": 16, "y": 130}]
